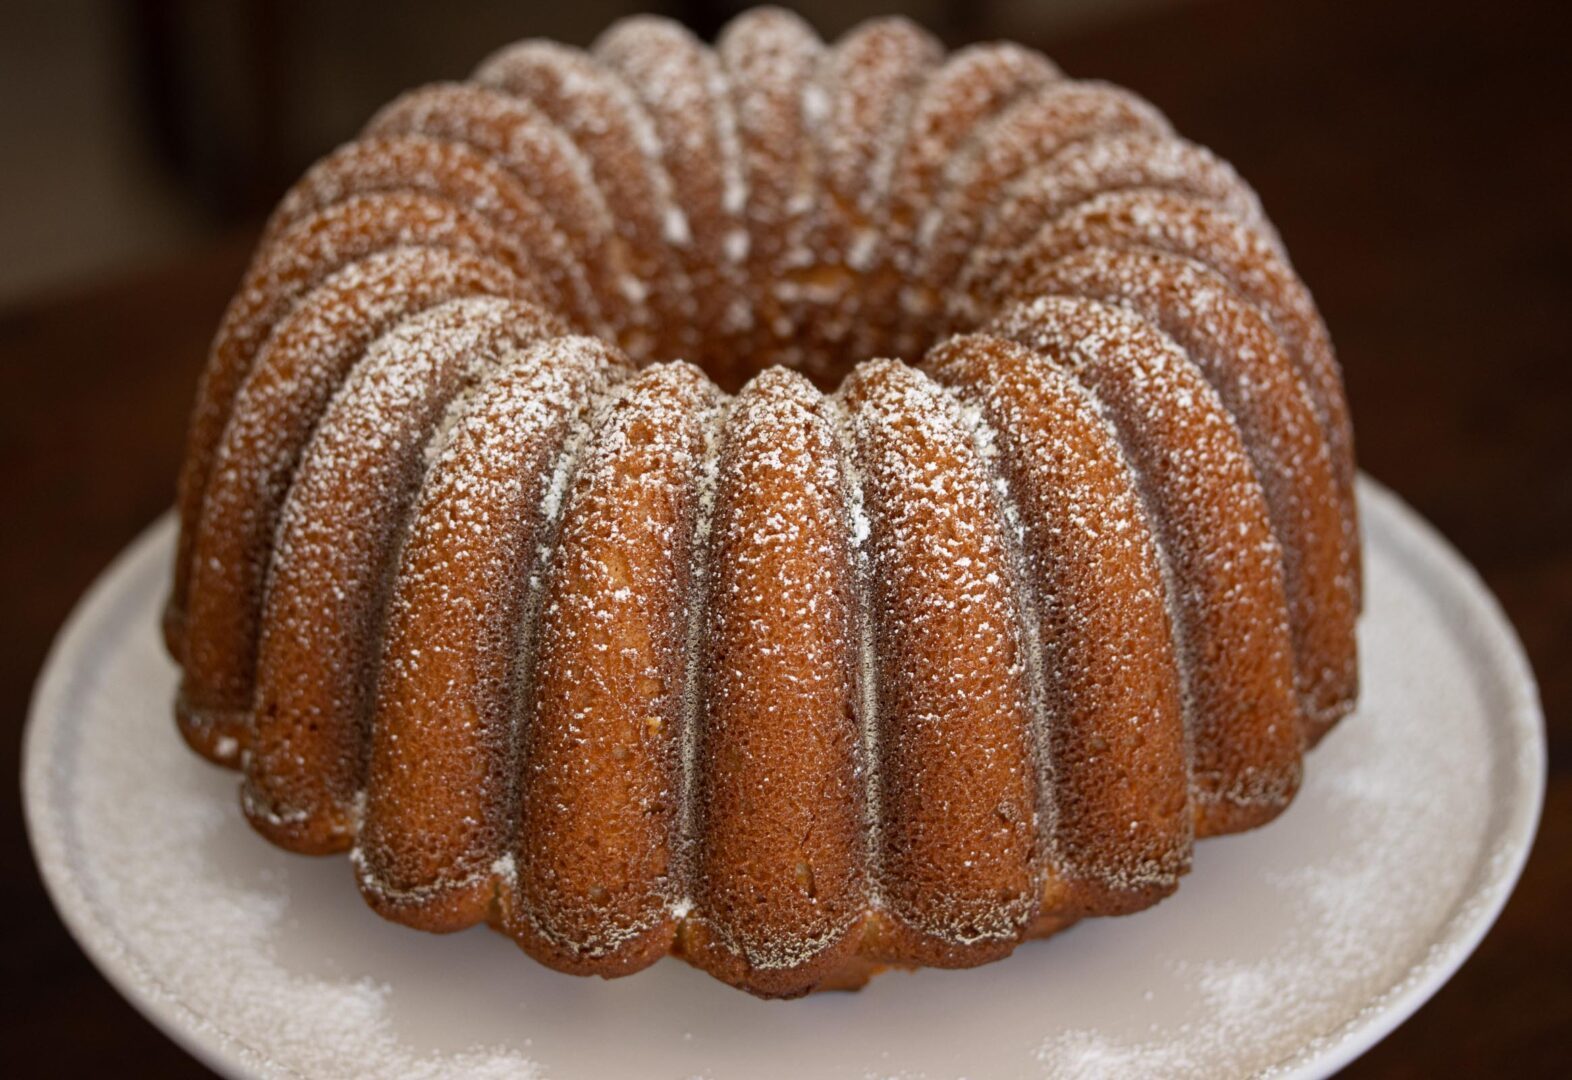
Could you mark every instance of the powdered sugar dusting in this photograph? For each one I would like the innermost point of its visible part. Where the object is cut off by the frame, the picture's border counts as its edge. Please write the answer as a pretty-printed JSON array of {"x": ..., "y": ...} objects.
[
  {"x": 1085, "y": 170},
  {"x": 605, "y": 120},
  {"x": 1031, "y": 130},
  {"x": 1192, "y": 228},
  {"x": 275, "y": 412},
  {"x": 778, "y": 787},
  {"x": 682, "y": 86},
  {"x": 950, "y": 670},
  {"x": 605, "y": 726},
  {"x": 973, "y": 85},
  {"x": 769, "y": 57},
  {"x": 868, "y": 82},
  {"x": 460, "y": 632},
  {"x": 1246, "y": 364},
  {"x": 537, "y": 153},
  {"x": 300, "y": 257},
  {"x": 531, "y": 240},
  {"x": 1113, "y": 752}
]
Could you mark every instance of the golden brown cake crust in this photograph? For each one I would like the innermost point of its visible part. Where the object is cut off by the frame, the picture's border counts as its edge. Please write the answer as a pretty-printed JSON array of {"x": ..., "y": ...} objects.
[
  {"x": 771, "y": 58},
  {"x": 858, "y": 109},
  {"x": 285, "y": 269},
  {"x": 972, "y": 86},
  {"x": 685, "y": 92},
  {"x": 1033, "y": 129},
  {"x": 527, "y": 238},
  {"x": 1183, "y": 226},
  {"x": 1243, "y": 360},
  {"x": 441, "y": 784},
  {"x": 600, "y": 113},
  {"x": 779, "y": 878},
  {"x": 517, "y": 136},
  {"x": 1222, "y": 562},
  {"x": 1084, "y": 170}
]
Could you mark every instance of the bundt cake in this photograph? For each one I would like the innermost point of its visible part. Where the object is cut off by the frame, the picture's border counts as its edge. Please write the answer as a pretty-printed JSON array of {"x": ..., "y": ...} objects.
[{"x": 804, "y": 508}]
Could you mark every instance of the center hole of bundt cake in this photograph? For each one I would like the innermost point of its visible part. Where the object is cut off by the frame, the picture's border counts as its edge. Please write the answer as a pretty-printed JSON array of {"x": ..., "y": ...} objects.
[{"x": 822, "y": 322}]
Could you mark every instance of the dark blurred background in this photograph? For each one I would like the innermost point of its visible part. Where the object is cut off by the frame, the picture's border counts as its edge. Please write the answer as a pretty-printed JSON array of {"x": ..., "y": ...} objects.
[
  {"x": 148, "y": 126},
  {"x": 1416, "y": 157}
]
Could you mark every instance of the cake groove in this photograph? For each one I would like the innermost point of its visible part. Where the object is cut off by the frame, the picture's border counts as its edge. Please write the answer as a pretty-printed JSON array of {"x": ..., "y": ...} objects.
[
  {"x": 1029, "y": 131},
  {"x": 552, "y": 171},
  {"x": 769, "y": 56},
  {"x": 1086, "y": 169},
  {"x": 681, "y": 87},
  {"x": 972, "y": 86},
  {"x": 1118, "y": 738},
  {"x": 1180, "y": 226},
  {"x": 299, "y": 260},
  {"x": 861, "y": 616},
  {"x": 600, "y": 114},
  {"x": 528, "y": 238},
  {"x": 713, "y": 424},
  {"x": 1241, "y": 358}
]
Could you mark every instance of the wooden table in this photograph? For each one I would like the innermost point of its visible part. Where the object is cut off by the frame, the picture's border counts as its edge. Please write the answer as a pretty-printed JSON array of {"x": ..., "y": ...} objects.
[{"x": 1416, "y": 160}]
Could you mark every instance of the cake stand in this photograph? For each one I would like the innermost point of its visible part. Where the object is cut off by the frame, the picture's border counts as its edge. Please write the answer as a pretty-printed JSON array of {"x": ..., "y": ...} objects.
[{"x": 1287, "y": 951}]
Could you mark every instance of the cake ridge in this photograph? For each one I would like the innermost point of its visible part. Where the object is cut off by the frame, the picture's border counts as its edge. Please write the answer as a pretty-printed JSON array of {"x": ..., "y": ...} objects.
[
  {"x": 457, "y": 173},
  {"x": 623, "y": 150},
  {"x": 1088, "y": 168},
  {"x": 560, "y": 932},
  {"x": 682, "y": 89},
  {"x": 280, "y": 275},
  {"x": 925, "y": 513},
  {"x": 252, "y": 464},
  {"x": 464, "y": 582},
  {"x": 521, "y": 140},
  {"x": 1011, "y": 531},
  {"x": 1089, "y": 513},
  {"x": 1033, "y": 127},
  {"x": 1268, "y": 398}
]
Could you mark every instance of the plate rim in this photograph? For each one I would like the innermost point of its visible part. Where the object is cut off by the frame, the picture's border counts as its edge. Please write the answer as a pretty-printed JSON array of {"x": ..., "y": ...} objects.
[
  {"x": 193, "y": 1032},
  {"x": 1474, "y": 915},
  {"x": 1460, "y": 935}
]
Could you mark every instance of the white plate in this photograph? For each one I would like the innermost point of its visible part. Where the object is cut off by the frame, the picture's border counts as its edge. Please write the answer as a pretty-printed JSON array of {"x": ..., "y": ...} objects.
[{"x": 1290, "y": 949}]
